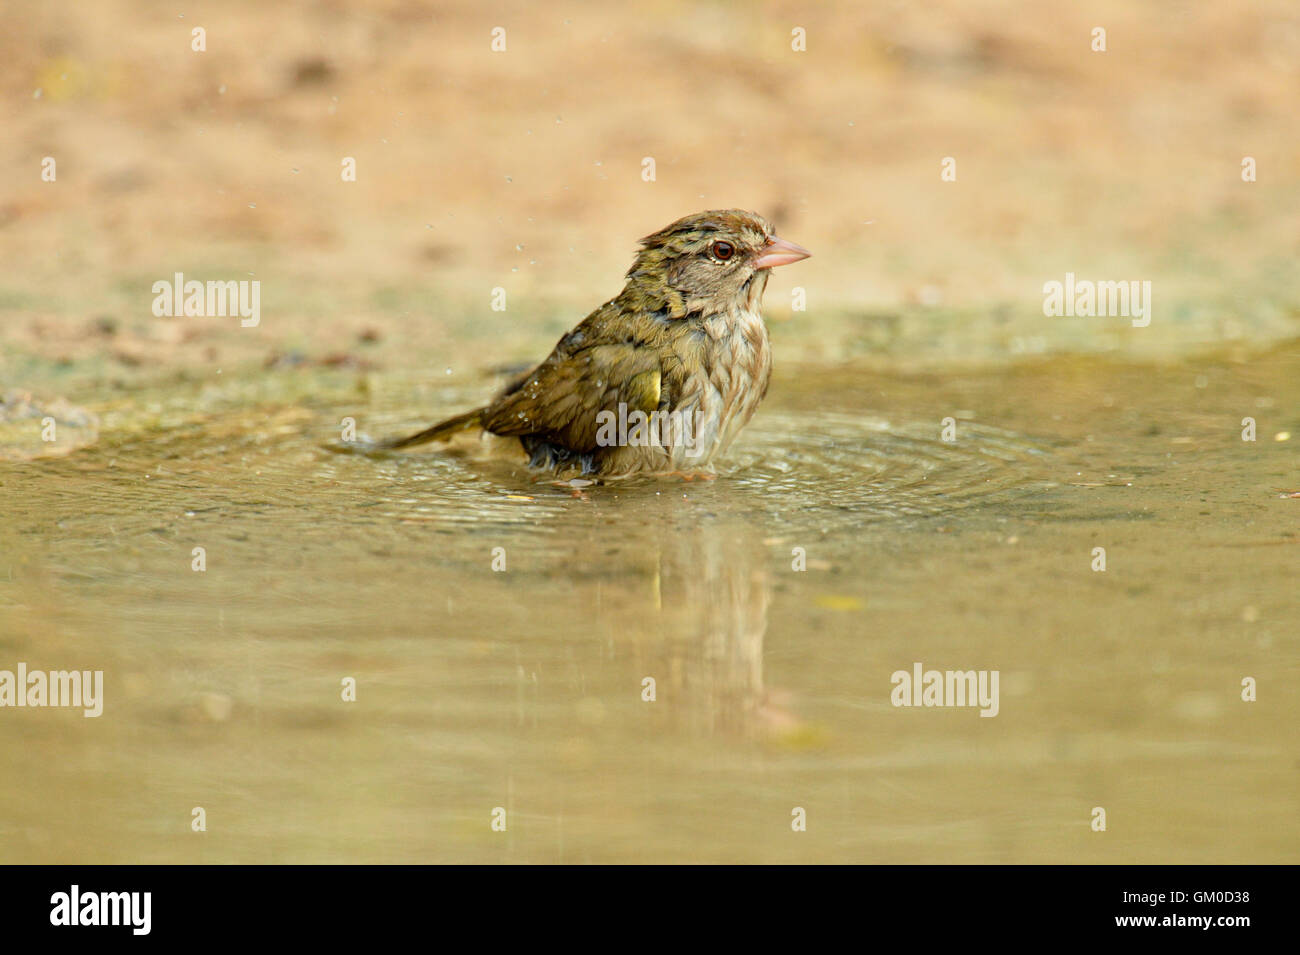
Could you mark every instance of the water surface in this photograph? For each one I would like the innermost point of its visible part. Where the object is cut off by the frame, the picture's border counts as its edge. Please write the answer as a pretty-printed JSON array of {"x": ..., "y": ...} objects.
[{"x": 522, "y": 688}]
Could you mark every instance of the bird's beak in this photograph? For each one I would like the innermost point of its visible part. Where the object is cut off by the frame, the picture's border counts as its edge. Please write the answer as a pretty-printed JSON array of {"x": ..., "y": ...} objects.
[{"x": 779, "y": 252}]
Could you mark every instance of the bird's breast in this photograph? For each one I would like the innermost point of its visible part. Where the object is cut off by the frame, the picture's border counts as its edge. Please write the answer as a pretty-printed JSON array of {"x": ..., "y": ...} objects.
[{"x": 726, "y": 383}]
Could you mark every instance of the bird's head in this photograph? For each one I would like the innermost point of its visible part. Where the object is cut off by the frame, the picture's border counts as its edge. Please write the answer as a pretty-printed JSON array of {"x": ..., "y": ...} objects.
[{"x": 710, "y": 262}]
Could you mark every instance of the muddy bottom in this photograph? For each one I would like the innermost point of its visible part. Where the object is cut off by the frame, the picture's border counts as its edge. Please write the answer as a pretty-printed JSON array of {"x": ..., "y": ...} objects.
[{"x": 504, "y": 634}]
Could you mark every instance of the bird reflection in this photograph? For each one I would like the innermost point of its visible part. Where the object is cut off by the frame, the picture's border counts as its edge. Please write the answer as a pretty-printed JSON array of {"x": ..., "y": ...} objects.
[{"x": 702, "y": 640}]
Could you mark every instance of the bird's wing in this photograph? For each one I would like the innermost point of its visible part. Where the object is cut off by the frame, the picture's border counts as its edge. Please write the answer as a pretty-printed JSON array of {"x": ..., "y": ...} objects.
[{"x": 593, "y": 369}]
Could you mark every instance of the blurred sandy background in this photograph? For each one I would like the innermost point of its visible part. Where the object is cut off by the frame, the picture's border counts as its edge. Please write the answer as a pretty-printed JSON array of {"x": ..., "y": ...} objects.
[{"x": 522, "y": 170}]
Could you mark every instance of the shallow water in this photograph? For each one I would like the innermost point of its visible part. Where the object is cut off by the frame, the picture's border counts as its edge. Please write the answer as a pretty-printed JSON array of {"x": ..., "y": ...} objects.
[{"x": 522, "y": 688}]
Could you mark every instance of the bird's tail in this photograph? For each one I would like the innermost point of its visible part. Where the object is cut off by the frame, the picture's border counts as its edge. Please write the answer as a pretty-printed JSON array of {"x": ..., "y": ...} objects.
[{"x": 443, "y": 431}]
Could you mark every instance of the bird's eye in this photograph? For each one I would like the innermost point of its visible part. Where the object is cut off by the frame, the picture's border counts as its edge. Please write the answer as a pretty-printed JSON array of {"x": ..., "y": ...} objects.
[{"x": 723, "y": 250}]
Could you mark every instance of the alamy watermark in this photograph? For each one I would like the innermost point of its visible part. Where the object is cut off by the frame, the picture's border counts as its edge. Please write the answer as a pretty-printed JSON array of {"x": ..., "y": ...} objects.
[
  {"x": 921, "y": 687},
  {"x": 76, "y": 907},
  {"x": 1089, "y": 299},
  {"x": 209, "y": 299},
  {"x": 637, "y": 429},
  {"x": 83, "y": 688}
]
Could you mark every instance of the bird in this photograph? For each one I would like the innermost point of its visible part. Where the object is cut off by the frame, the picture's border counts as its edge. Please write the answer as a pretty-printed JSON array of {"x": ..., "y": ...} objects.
[{"x": 660, "y": 378}]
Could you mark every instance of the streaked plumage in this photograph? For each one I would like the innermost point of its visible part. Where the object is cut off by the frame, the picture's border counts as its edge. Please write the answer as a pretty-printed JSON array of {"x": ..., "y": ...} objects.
[{"x": 685, "y": 335}]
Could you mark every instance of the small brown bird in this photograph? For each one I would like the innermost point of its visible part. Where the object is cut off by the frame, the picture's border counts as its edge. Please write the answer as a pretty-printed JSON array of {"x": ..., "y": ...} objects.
[{"x": 661, "y": 377}]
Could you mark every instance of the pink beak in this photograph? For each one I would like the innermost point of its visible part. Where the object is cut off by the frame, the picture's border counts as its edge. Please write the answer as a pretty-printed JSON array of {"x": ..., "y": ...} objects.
[{"x": 779, "y": 252}]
